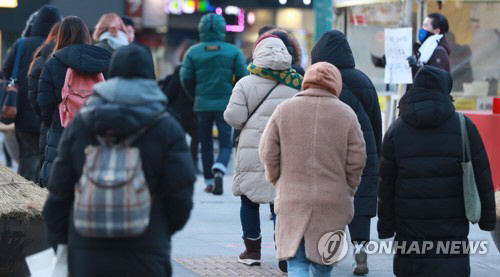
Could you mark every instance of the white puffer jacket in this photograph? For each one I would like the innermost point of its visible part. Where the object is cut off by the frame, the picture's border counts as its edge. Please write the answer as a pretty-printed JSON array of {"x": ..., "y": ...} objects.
[{"x": 249, "y": 178}]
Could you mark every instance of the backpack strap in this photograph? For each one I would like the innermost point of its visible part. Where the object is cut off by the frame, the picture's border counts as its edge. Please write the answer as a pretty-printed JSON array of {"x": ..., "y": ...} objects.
[
  {"x": 129, "y": 140},
  {"x": 17, "y": 61}
]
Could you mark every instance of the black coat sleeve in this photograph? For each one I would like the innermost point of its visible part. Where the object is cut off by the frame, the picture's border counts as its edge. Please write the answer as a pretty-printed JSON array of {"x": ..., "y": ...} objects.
[
  {"x": 63, "y": 177},
  {"x": 482, "y": 174},
  {"x": 8, "y": 65},
  {"x": 178, "y": 179},
  {"x": 376, "y": 119},
  {"x": 33, "y": 78},
  {"x": 46, "y": 95},
  {"x": 388, "y": 173}
]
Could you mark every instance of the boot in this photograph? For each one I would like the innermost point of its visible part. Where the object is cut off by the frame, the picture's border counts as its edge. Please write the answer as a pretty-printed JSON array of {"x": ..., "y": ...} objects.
[
  {"x": 251, "y": 255},
  {"x": 360, "y": 260},
  {"x": 218, "y": 190}
]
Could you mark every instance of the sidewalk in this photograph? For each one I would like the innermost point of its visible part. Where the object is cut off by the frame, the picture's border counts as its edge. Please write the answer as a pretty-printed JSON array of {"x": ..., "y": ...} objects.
[{"x": 210, "y": 243}]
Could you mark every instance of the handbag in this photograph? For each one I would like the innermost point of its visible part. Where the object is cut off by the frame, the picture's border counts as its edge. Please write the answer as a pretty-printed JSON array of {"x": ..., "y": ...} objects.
[
  {"x": 471, "y": 194},
  {"x": 8, "y": 91},
  {"x": 237, "y": 132}
]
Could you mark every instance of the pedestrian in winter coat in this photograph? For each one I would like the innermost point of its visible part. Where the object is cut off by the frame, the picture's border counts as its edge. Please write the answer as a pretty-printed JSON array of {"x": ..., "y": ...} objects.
[
  {"x": 27, "y": 125},
  {"x": 269, "y": 54},
  {"x": 110, "y": 32},
  {"x": 128, "y": 101},
  {"x": 293, "y": 47},
  {"x": 208, "y": 72},
  {"x": 359, "y": 93},
  {"x": 421, "y": 192},
  {"x": 180, "y": 103},
  {"x": 433, "y": 48},
  {"x": 42, "y": 54},
  {"x": 73, "y": 50},
  {"x": 313, "y": 153}
]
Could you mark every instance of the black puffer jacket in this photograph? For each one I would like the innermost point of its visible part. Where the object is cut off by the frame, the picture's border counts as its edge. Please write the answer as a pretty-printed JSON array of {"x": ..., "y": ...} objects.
[
  {"x": 421, "y": 192},
  {"x": 87, "y": 59},
  {"x": 359, "y": 93},
  {"x": 34, "y": 75},
  {"x": 123, "y": 106},
  {"x": 46, "y": 17}
]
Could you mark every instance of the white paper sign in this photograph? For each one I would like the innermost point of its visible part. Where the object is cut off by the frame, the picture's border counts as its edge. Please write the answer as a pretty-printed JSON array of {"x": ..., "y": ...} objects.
[
  {"x": 397, "y": 50},
  {"x": 49, "y": 264}
]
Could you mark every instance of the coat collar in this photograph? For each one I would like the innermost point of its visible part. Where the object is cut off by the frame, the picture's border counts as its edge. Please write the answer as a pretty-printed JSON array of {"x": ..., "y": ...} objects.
[{"x": 316, "y": 92}]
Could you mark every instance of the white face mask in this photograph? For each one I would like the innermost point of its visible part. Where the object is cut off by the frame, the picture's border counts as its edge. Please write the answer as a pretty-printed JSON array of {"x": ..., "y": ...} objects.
[{"x": 115, "y": 42}]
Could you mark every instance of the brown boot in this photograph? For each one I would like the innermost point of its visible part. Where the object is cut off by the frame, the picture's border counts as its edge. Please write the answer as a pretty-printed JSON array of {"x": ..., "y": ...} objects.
[{"x": 251, "y": 255}]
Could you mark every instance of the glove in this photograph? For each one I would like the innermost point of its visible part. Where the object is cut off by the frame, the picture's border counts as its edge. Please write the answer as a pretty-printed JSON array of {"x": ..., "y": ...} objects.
[{"x": 412, "y": 61}]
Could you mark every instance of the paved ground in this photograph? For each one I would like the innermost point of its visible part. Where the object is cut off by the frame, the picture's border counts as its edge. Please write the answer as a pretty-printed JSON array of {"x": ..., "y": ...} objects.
[{"x": 211, "y": 242}]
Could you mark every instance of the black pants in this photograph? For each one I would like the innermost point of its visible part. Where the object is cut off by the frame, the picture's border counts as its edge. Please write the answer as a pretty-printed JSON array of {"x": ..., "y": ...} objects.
[
  {"x": 359, "y": 228},
  {"x": 29, "y": 154},
  {"x": 124, "y": 263}
]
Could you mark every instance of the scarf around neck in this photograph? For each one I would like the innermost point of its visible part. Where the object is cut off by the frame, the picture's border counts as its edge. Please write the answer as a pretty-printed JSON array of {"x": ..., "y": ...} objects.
[
  {"x": 427, "y": 48},
  {"x": 288, "y": 77},
  {"x": 115, "y": 42}
]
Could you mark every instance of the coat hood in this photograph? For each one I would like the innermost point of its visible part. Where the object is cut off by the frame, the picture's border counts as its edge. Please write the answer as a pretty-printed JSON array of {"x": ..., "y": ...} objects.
[
  {"x": 333, "y": 47},
  {"x": 291, "y": 43},
  {"x": 132, "y": 61},
  {"x": 46, "y": 17},
  {"x": 84, "y": 58},
  {"x": 428, "y": 104},
  {"x": 324, "y": 76},
  {"x": 270, "y": 52},
  {"x": 123, "y": 106},
  {"x": 212, "y": 27}
]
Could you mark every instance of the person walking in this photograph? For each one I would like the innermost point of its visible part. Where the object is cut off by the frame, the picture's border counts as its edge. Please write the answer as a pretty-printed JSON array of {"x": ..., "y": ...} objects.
[
  {"x": 313, "y": 153},
  {"x": 209, "y": 71},
  {"x": 41, "y": 55},
  {"x": 359, "y": 93},
  {"x": 26, "y": 123},
  {"x": 180, "y": 103},
  {"x": 254, "y": 99},
  {"x": 421, "y": 189},
  {"x": 72, "y": 50},
  {"x": 129, "y": 104},
  {"x": 110, "y": 32}
]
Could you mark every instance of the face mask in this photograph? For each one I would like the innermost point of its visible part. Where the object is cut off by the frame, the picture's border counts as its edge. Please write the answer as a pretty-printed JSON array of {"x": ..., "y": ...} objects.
[{"x": 423, "y": 35}]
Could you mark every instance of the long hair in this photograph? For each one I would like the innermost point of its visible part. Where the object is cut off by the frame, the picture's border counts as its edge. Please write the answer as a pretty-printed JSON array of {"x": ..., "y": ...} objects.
[
  {"x": 50, "y": 38},
  {"x": 72, "y": 31},
  {"x": 185, "y": 45},
  {"x": 104, "y": 22}
]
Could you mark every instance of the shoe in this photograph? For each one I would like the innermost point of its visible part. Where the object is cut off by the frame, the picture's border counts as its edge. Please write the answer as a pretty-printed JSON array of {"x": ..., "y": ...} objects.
[
  {"x": 283, "y": 266},
  {"x": 360, "y": 260},
  {"x": 218, "y": 183},
  {"x": 251, "y": 255},
  {"x": 209, "y": 188}
]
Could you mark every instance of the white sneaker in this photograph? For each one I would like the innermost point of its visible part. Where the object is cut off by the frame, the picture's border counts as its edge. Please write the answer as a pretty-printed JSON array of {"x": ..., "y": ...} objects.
[{"x": 360, "y": 260}]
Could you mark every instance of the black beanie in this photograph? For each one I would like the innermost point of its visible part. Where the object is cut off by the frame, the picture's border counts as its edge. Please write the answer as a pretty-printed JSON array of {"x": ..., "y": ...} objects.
[{"x": 132, "y": 61}]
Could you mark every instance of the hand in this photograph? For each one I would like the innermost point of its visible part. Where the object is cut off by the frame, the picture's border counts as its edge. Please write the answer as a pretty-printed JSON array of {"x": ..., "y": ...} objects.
[{"x": 412, "y": 61}]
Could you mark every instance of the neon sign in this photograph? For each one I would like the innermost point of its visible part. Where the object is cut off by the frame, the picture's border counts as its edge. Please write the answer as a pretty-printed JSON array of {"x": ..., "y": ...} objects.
[{"x": 188, "y": 6}]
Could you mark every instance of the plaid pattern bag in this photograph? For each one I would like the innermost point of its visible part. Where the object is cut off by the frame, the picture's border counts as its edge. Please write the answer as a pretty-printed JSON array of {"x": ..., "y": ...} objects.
[{"x": 112, "y": 199}]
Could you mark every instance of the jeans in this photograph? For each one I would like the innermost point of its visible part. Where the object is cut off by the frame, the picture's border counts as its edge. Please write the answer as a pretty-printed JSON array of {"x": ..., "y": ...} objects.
[
  {"x": 206, "y": 121},
  {"x": 300, "y": 266},
  {"x": 359, "y": 228},
  {"x": 250, "y": 218}
]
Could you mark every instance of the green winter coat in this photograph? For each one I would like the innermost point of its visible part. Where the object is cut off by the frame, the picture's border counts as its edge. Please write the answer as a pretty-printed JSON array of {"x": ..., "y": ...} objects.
[{"x": 213, "y": 65}]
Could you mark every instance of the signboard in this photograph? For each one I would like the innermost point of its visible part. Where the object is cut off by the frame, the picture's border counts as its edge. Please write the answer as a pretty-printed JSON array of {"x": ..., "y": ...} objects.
[
  {"x": 397, "y": 49},
  {"x": 8, "y": 3},
  {"x": 350, "y": 3}
]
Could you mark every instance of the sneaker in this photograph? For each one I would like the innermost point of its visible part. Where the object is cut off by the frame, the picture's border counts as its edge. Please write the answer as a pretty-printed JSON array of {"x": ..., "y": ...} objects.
[
  {"x": 251, "y": 255},
  {"x": 209, "y": 188},
  {"x": 360, "y": 260},
  {"x": 218, "y": 183},
  {"x": 283, "y": 266}
]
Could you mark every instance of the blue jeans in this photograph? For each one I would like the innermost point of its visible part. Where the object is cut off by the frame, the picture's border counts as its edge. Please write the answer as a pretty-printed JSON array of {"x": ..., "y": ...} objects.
[
  {"x": 300, "y": 266},
  {"x": 206, "y": 122},
  {"x": 250, "y": 218}
]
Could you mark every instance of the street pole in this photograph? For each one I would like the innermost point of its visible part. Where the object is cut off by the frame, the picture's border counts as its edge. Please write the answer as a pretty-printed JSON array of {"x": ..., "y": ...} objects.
[{"x": 323, "y": 15}]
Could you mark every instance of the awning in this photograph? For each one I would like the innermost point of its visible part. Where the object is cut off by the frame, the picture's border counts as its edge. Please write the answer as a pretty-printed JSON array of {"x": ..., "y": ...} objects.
[{"x": 349, "y": 3}]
